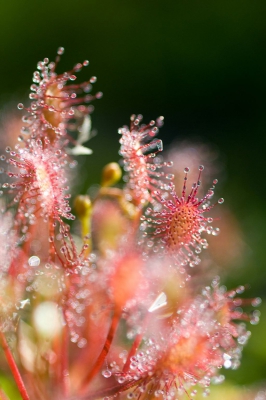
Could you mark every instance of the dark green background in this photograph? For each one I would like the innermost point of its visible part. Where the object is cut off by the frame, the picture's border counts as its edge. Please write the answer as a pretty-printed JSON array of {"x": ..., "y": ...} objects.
[{"x": 201, "y": 64}]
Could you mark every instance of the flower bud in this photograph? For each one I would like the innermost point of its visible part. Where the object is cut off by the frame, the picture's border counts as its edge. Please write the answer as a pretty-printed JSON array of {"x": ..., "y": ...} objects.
[
  {"x": 83, "y": 206},
  {"x": 111, "y": 174}
]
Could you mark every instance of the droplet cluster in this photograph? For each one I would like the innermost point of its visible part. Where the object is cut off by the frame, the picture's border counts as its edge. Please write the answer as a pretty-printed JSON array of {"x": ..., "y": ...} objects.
[
  {"x": 178, "y": 226},
  {"x": 111, "y": 309},
  {"x": 202, "y": 339},
  {"x": 56, "y": 100},
  {"x": 41, "y": 182},
  {"x": 143, "y": 167}
]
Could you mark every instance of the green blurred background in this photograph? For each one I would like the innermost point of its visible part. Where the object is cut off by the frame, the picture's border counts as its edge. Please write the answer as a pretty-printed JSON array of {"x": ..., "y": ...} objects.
[{"x": 201, "y": 64}]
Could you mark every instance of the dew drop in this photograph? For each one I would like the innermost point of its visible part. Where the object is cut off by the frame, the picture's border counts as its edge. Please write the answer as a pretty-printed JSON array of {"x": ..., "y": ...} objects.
[
  {"x": 99, "y": 95},
  {"x": 107, "y": 373},
  {"x": 34, "y": 261},
  {"x": 160, "y": 121},
  {"x": 206, "y": 393},
  {"x": 60, "y": 51},
  {"x": 240, "y": 289},
  {"x": 256, "y": 302},
  {"x": 82, "y": 343},
  {"x": 170, "y": 176}
]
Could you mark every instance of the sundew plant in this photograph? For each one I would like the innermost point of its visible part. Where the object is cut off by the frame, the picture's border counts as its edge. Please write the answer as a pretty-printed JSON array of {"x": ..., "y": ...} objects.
[{"x": 116, "y": 304}]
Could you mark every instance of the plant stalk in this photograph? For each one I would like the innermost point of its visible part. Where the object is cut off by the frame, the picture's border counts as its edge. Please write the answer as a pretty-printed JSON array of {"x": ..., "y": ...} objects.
[{"x": 13, "y": 367}]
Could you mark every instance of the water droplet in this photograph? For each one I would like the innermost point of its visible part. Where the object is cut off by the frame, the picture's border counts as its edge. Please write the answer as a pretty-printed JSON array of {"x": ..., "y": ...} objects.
[
  {"x": 20, "y": 106},
  {"x": 99, "y": 95},
  {"x": 82, "y": 343},
  {"x": 34, "y": 261},
  {"x": 169, "y": 176},
  {"x": 206, "y": 393},
  {"x": 107, "y": 373},
  {"x": 160, "y": 121},
  {"x": 256, "y": 302},
  {"x": 60, "y": 51},
  {"x": 218, "y": 379},
  {"x": 186, "y": 170},
  {"x": 221, "y": 201}
]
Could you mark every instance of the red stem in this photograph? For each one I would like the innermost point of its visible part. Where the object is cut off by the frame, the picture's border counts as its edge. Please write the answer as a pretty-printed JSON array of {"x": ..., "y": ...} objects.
[
  {"x": 108, "y": 391},
  {"x": 105, "y": 350},
  {"x": 13, "y": 367},
  {"x": 136, "y": 343},
  {"x": 132, "y": 351}
]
